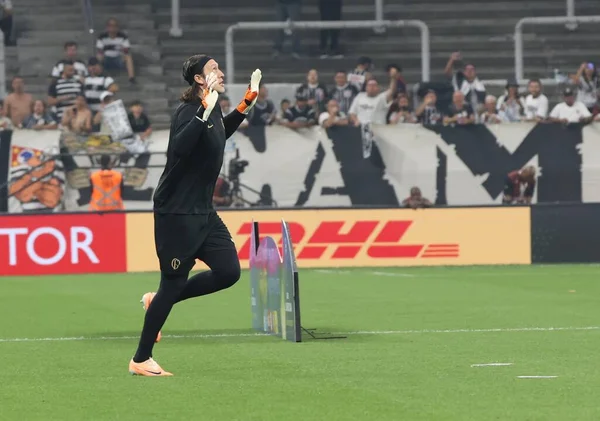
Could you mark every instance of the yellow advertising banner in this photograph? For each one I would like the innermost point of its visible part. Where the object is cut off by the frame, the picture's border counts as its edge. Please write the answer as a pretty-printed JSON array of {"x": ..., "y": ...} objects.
[{"x": 363, "y": 237}]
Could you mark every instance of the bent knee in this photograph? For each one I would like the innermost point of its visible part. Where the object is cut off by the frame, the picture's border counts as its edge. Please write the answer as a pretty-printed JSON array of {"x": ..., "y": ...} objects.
[{"x": 229, "y": 275}]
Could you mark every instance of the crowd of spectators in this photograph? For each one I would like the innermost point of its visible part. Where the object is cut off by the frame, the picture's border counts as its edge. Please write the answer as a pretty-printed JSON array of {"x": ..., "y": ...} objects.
[
  {"x": 356, "y": 97},
  {"x": 78, "y": 90}
]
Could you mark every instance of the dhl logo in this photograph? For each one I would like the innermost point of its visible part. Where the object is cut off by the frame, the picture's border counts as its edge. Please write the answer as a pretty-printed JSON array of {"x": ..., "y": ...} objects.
[{"x": 348, "y": 244}]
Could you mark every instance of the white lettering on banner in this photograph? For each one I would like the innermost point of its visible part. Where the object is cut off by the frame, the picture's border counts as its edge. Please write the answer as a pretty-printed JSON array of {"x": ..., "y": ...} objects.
[
  {"x": 62, "y": 246},
  {"x": 83, "y": 245},
  {"x": 12, "y": 242},
  {"x": 76, "y": 244}
]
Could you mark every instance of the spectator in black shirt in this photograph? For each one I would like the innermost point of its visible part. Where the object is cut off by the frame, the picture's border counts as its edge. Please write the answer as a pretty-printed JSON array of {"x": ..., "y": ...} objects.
[
  {"x": 263, "y": 113},
  {"x": 343, "y": 92},
  {"x": 288, "y": 10},
  {"x": 459, "y": 112},
  {"x": 316, "y": 92},
  {"x": 140, "y": 123},
  {"x": 6, "y": 21},
  {"x": 300, "y": 115},
  {"x": 396, "y": 71},
  {"x": 331, "y": 10},
  {"x": 466, "y": 81},
  {"x": 428, "y": 113},
  {"x": 361, "y": 74}
]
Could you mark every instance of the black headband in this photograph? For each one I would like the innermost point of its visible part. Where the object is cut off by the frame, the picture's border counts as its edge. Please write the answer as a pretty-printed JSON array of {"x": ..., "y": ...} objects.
[{"x": 194, "y": 66}]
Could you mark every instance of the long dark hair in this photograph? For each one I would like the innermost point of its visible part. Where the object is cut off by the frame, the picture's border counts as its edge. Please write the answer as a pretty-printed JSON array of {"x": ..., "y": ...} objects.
[{"x": 191, "y": 93}]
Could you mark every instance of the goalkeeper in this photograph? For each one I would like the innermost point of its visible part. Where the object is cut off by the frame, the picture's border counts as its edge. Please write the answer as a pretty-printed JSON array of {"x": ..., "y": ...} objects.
[{"x": 186, "y": 227}]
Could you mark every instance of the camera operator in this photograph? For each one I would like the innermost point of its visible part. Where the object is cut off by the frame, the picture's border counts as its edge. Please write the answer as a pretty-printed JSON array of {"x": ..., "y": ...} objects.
[{"x": 222, "y": 194}]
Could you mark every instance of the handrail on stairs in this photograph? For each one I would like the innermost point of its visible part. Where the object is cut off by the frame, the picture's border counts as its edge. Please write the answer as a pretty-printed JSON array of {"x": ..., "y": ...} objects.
[
  {"x": 88, "y": 21},
  {"x": 349, "y": 24}
]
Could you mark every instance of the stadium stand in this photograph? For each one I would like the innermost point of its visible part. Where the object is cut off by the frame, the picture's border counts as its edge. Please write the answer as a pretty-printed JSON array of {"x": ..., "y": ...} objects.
[
  {"x": 484, "y": 35},
  {"x": 39, "y": 48}
]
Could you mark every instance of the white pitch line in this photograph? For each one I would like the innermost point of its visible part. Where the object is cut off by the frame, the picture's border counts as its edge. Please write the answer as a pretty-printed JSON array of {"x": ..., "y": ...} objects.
[
  {"x": 358, "y": 332},
  {"x": 335, "y": 271},
  {"x": 394, "y": 274},
  {"x": 491, "y": 365},
  {"x": 537, "y": 377}
]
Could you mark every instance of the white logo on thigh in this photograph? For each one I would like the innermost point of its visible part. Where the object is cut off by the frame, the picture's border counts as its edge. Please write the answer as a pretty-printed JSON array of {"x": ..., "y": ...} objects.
[{"x": 175, "y": 263}]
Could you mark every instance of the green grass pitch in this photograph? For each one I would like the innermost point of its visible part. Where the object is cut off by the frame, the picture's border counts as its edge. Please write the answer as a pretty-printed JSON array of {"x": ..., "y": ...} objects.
[{"x": 413, "y": 336}]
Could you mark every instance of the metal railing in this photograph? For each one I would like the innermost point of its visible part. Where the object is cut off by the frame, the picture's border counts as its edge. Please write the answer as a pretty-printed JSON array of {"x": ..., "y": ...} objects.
[
  {"x": 176, "y": 31},
  {"x": 88, "y": 21},
  {"x": 557, "y": 20},
  {"x": 260, "y": 26}
]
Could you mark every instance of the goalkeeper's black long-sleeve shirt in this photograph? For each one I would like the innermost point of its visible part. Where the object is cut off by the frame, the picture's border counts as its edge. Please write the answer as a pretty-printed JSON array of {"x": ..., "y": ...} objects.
[{"x": 194, "y": 159}]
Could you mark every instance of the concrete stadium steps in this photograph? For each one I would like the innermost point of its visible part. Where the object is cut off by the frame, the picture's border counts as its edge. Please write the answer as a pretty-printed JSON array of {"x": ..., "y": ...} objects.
[
  {"x": 437, "y": 10},
  {"x": 41, "y": 35},
  {"x": 483, "y": 34}
]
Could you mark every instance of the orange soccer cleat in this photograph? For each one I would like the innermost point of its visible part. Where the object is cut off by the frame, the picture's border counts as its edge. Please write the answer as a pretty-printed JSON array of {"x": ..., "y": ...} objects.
[
  {"x": 148, "y": 368},
  {"x": 146, "y": 300}
]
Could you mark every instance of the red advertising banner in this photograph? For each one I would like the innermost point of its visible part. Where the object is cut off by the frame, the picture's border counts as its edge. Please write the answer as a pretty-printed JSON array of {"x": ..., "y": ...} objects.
[{"x": 57, "y": 244}]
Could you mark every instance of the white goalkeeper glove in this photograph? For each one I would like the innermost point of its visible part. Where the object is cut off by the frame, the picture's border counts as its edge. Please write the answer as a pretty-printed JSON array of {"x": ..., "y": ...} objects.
[
  {"x": 251, "y": 95},
  {"x": 209, "y": 97}
]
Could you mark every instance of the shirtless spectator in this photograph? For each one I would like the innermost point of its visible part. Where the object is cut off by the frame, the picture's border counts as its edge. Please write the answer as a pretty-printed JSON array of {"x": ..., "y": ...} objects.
[
  {"x": 78, "y": 118},
  {"x": 18, "y": 104},
  {"x": 40, "y": 119}
]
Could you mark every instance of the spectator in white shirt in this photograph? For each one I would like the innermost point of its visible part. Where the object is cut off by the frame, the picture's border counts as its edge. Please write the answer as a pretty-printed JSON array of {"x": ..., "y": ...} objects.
[
  {"x": 333, "y": 116},
  {"x": 586, "y": 81},
  {"x": 490, "y": 114},
  {"x": 510, "y": 103},
  {"x": 570, "y": 111},
  {"x": 371, "y": 106},
  {"x": 536, "y": 103}
]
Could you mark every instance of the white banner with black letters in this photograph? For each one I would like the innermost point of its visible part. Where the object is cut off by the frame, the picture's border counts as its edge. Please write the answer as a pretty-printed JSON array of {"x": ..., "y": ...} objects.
[{"x": 326, "y": 168}]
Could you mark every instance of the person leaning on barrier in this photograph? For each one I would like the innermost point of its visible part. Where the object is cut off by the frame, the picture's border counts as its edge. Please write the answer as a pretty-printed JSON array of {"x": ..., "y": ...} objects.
[
  {"x": 416, "y": 200},
  {"x": 107, "y": 185},
  {"x": 519, "y": 181}
]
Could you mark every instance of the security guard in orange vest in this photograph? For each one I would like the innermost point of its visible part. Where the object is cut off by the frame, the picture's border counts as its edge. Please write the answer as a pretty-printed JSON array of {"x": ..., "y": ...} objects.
[{"x": 107, "y": 185}]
